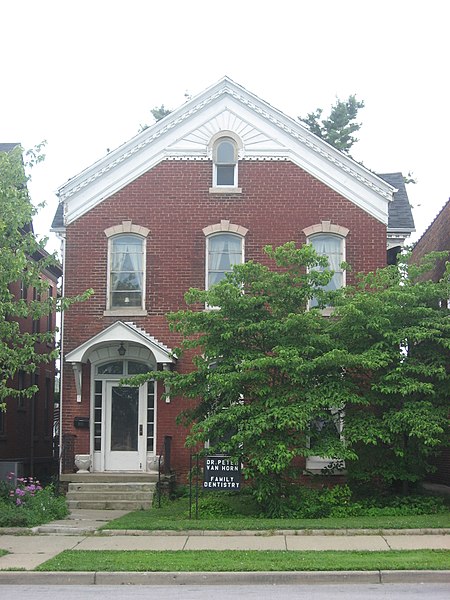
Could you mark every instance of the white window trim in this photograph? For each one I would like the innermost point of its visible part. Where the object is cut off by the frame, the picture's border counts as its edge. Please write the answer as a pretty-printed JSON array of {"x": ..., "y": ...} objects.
[
  {"x": 223, "y": 227},
  {"x": 331, "y": 229},
  {"x": 126, "y": 228},
  {"x": 212, "y": 150},
  {"x": 315, "y": 464}
]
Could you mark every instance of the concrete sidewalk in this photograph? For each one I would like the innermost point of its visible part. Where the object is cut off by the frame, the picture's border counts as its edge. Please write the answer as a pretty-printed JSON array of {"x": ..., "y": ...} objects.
[{"x": 80, "y": 531}]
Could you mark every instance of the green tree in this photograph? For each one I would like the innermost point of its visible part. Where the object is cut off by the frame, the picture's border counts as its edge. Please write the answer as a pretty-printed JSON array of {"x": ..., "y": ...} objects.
[
  {"x": 395, "y": 328},
  {"x": 339, "y": 127},
  {"x": 22, "y": 258},
  {"x": 158, "y": 113},
  {"x": 268, "y": 371},
  {"x": 264, "y": 368}
]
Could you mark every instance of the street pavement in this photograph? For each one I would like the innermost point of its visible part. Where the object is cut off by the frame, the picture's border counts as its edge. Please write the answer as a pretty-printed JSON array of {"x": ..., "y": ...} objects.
[{"x": 80, "y": 532}]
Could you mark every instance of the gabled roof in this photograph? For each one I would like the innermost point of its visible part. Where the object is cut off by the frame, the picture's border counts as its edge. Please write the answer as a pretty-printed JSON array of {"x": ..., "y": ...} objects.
[
  {"x": 58, "y": 219},
  {"x": 400, "y": 213},
  {"x": 266, "y": 133}
]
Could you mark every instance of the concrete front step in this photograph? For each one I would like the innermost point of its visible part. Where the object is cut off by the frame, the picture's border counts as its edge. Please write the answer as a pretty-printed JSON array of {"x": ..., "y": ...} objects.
[
  {"x": 120, "y": 496},
  {"x": 112, "y": 487},
  {"x": 140, "y": 496},
  {"x": 108, "y": 504},
  {"x": 109, "y": 477}
]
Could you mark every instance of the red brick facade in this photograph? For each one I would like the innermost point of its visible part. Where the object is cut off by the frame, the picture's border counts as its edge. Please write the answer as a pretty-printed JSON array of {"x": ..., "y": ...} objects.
[
  {"x": 26, "y": 428},
  {"x": 278, "y": 200},
  {"x": 437, "y": 238}
]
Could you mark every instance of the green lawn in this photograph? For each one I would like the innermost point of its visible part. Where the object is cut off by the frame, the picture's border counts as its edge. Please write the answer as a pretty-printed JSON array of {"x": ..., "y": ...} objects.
[
  {"x": 254, "y": 560},
  {"x": 164, "y": 519}
]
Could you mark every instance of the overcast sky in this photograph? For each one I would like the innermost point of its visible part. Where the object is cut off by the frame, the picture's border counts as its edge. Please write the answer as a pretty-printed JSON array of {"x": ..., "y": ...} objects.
[{"x": 84, "y": 74}]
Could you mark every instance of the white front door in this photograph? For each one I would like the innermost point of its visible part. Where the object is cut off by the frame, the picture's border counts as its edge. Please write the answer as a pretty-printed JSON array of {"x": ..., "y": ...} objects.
[{"x": 125, "y": 427}]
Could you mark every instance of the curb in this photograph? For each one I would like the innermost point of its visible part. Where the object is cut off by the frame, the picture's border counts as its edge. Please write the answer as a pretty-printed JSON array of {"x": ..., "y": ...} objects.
[
  {"x": 221, "y": 578},
  {"x": 271, "y": 532},
  {"x": 80, "y": 530}
]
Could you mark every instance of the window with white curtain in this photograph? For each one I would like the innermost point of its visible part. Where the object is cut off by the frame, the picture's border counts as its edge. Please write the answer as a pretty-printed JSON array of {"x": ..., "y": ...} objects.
[
  {"x": 331, "y": 246},
  {"x": 126, "y": 272},
  {"x": 223, "y": 250}
]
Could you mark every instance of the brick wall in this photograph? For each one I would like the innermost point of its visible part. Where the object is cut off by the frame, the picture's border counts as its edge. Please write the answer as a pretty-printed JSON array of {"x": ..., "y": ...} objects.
[
  {"x": 27, "y": 432},
  {"x": 277, "y": 202},
  {"x": 437, "y": 238}
]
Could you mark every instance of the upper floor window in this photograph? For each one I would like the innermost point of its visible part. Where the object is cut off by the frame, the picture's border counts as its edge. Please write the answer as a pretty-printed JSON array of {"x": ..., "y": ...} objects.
[
  {"x": 50, "y": 312},
  {"x": 36, "y": 325},
  {"x": 332, "y": 247},
  {"x": 126, "y": 273},
  {"x": 126, "y": 267},
  {"x": 225, "y": 162},
  {"x": 23, "y": 290},
  {"x": 224, "y": 250},
  {"x": 329, "y": 240}
]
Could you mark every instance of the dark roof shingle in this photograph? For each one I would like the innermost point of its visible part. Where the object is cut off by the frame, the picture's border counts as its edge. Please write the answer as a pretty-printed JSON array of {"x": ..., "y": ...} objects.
[
  {"x": 400, "y": 213},
  {"x": 4, "y": 147}
]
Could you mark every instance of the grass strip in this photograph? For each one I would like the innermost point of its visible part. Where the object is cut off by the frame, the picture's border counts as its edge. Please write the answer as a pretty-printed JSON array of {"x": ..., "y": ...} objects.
[
  {"x": 3, "y": 552},
  {"x": 240, "y": 560},
  {"x": 155, "y": 519}
]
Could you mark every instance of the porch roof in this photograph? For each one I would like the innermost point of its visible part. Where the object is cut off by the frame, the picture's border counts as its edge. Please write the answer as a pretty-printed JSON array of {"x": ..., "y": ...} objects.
[{"x": 121, "y": 331}]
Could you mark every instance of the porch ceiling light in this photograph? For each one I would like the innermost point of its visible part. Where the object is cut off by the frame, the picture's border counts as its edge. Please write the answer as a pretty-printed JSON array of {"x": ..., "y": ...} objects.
[{"x": 121, "y": 349}]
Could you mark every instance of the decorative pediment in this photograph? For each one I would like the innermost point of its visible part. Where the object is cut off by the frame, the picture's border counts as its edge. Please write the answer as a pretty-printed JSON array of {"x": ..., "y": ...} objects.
[{"x": 266, "y": 134}]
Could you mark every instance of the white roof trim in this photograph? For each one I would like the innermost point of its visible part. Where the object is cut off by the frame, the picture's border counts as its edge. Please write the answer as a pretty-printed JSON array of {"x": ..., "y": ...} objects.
[
  {"x": 121, "y": 332},
  {"x": 288, "y": 140}
]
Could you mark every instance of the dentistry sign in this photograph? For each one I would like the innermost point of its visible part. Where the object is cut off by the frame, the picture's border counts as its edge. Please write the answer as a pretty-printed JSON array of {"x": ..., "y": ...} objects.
[{"x": 221, "y": 473}]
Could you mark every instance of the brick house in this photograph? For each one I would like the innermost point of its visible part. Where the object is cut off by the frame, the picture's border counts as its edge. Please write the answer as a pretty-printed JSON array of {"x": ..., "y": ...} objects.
[
  {"x": 26, "y": 428},
  {"x": 204, "y": 188},
  {"x": 437, "y": 239}
]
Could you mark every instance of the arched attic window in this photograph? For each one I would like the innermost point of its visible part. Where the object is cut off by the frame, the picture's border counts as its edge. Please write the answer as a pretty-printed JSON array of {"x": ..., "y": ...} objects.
[
  {"x": 225, "y": 146},
  {"x": 225, "y": 162}
]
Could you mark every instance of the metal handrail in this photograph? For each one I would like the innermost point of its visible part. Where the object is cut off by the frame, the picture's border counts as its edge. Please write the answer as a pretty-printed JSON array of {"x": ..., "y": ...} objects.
[{"x": 165, "y": 453}]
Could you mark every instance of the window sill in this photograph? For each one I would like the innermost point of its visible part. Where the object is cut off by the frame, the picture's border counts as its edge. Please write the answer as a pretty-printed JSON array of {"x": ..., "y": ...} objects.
[
  {"x": 315, "y": 465},
  {"x": 224, "y": 189},
  {"x": 125, "y": 312}
]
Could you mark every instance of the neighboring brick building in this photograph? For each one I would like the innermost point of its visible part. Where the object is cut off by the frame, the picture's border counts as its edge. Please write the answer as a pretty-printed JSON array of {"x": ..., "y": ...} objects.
[
  {"x": 437, "y": 239},
  {"x": 26, "y": 428},
  {"x": 206, "y": 187}
]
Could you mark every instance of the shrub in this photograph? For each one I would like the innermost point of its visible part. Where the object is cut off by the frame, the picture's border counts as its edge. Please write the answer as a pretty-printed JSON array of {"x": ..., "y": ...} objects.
[
  {"x": 27, "y": 503},
  {"x": 213, "y": 505},
  {"x": 306, "y": 503}
]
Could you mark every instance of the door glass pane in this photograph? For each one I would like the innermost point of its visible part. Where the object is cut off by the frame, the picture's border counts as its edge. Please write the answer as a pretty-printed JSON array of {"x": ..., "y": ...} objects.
[
  {"x": 111, "y": 368},
  {"x": 135, "y": 368},
  {"x": 124, "y": 419}
]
